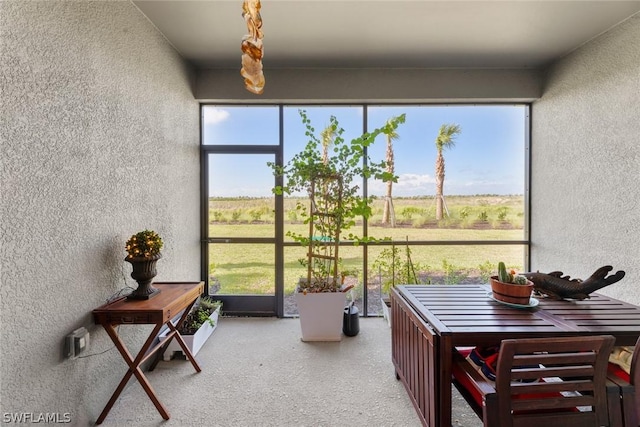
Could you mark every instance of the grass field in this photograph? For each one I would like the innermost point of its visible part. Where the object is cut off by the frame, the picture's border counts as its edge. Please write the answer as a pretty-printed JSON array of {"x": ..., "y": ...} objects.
[
  {"x": 249, "y": 268},
  {"x": 464, "y": 211}
]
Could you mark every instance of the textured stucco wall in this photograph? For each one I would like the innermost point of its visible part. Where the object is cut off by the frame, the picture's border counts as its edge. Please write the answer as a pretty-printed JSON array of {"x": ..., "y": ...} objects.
[
  {"x": 100, "y": 140},
  {"x": 586, "y": 162}
]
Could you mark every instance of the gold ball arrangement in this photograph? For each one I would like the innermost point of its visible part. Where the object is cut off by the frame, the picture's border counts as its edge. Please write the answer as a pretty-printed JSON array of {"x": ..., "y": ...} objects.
[{"x": 145, "y": 244}]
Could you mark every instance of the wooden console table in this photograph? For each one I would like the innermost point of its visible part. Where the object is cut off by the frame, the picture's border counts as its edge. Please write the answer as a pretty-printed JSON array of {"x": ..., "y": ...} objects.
[
  {"x": 174, "y": 297},
  {"x": 428, "y": 322}
]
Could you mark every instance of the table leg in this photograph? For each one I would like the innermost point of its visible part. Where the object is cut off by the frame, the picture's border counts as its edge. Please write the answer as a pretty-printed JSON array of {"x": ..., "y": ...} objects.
[
  {"x": 166, "y": 343},
  {"x": 445, "y": 362},
  {"x": 134, "y": 369},
  {"x": 185, "y": 349}
]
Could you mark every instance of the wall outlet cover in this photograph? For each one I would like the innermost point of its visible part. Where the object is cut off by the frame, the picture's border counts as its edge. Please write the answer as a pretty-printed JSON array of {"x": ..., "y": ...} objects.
[{"x": 76, "y": 343}]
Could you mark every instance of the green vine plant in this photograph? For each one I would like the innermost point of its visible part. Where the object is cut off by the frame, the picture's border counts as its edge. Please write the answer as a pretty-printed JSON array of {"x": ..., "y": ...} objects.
[{"x": 330, "y": 171}]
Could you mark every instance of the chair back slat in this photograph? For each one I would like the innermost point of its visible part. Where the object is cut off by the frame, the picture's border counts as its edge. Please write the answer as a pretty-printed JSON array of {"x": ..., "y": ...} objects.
[
  {"x": 575, "y": 371},
  {"x": 552, "y": 403},
  {"x": 555, "y": 358},
  {"x": 548, "y": 386},
  {"x": 562, "y": 419}
]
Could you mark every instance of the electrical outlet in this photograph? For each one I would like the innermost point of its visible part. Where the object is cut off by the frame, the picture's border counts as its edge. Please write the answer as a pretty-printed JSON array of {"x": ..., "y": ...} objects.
[{"x": 76, "y": 343}]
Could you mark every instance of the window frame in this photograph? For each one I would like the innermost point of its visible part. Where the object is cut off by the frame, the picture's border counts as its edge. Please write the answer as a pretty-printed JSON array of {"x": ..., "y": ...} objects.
[{"x": 279, "y": 241}]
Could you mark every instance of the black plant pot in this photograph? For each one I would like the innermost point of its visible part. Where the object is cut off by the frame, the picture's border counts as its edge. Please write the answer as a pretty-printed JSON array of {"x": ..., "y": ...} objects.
[{"x": 144, "y": 270}]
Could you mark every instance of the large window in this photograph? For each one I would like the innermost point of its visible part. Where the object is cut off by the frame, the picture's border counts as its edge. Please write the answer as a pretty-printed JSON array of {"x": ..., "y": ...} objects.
[{"x": 459, "y": 205}]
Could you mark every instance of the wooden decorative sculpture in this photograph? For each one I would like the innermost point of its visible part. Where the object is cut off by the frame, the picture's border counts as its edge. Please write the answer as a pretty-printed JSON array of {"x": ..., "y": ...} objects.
[
  {"x": 555, "y": 285},
  {"x": 252, "y": 48}
]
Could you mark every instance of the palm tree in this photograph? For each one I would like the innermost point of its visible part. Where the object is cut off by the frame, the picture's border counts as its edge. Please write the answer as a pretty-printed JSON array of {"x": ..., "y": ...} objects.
[
  {"x": 388, "y": 214},
  {"x": 327, "y": 136},
  {"x": 446, "y": 139}
]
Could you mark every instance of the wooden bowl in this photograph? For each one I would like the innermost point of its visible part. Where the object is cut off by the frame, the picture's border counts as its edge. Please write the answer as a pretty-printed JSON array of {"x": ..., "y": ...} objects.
[{"x": 511, "y": 292}]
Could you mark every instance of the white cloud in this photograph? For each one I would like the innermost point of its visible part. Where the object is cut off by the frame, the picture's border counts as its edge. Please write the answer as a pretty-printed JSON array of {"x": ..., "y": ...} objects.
[
  {"x": 409, "y": 184},
  {"x": 213, "y": 116},
  {"x": 413, "y": 180}
]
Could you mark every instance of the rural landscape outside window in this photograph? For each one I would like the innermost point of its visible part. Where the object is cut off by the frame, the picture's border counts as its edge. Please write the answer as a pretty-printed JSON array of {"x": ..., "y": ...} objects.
[{"x": 459, "y": 206}]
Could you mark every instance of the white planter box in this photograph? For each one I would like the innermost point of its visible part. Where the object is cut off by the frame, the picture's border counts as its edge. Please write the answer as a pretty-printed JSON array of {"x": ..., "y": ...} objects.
[
  {"x": 386, "y": 310},
  {"x": 194, "y": 342},
  {"x": 321, "y": 315}
]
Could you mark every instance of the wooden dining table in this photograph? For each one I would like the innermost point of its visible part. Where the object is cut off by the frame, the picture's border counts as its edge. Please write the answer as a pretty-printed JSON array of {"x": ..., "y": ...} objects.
[{"x": 430, "y": 321}]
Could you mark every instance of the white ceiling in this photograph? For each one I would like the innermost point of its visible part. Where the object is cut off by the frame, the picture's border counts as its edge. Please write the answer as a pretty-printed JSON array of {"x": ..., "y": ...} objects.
[{"x": 392, "y": 33}]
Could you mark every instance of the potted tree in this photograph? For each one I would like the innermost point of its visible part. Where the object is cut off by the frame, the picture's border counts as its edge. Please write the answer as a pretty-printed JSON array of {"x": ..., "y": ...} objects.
[{"x": 331, "y": 179}]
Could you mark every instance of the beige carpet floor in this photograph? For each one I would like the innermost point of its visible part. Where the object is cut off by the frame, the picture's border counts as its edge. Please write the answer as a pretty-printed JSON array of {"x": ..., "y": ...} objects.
[{"x": 257, "y": 372}]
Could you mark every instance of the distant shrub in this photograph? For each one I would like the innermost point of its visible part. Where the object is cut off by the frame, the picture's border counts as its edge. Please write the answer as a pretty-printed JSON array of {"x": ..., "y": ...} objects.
[
  {"x": 483, "y": 216},
  {"x": 256, "y": 213},
  {"x": 449, "y": 222},
  {"x": 419, "y": 222},
  {"x": 487, "y": 269},
  {"x": 236, "y": 214},
  {"x": 452, "y": 273},
  {"x": 502, "y": 213},
  {"x": 217, "y": 216},
  {"x": 408, "y": 212}
]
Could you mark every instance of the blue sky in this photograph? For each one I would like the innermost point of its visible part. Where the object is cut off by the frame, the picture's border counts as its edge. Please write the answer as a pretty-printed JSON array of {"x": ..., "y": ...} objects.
[{"x": 488, "y": 157}]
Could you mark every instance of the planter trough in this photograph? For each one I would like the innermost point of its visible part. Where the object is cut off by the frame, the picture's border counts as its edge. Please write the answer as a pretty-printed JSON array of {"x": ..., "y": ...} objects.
[{"x": 194, "y": 342}]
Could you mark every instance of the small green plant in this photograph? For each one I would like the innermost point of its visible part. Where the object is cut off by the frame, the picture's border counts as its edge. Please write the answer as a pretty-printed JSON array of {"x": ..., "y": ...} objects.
[
  {"x": 217, "y": 216},
  {"x": 482, "y": 216},
  {"x": 144, "y": 244},
  {"x": 511, "y": 276},
  {"x": 393, "y": 269},
  {"x": 348, "y": 272},
  {"x": 502, "y": 213},
  {"x": 236, "y": 214},
  {"x": 292, "y": 215},
  {"x": 486, "y": 271},
  {"x": 452, "y": 273},
  {"x": 200, "y": 314},
  {"x": 257, "y": 213},
  {"x": 464, "y": 212},
  {"x": 408, "y": 212}
]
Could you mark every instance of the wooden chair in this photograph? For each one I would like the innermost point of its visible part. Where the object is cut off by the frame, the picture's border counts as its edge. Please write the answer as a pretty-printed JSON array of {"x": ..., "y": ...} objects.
[
  {"x": 628, "y": 390},
  {"x": 541, "y": 382}
]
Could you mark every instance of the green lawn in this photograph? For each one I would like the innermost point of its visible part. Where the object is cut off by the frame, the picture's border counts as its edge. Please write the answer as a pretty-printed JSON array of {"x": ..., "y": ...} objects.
[{"x": 249, "y": 268}]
